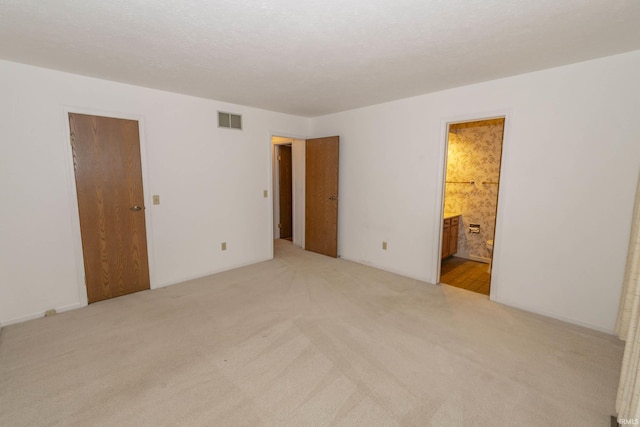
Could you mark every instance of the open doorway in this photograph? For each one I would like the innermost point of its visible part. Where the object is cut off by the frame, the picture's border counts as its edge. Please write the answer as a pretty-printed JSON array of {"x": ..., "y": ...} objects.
[
  {"x": 472, "y": 182},
  {"x": 314, "y": 193},
  {"x": 285, "y": 187},
  {"x": 288, "y": 189}
]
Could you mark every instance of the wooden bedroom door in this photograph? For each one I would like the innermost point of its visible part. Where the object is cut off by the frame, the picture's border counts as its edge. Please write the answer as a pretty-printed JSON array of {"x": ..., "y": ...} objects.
[
  {"x": 321, "y": 200},
  {"x": 108, "y": 172}
]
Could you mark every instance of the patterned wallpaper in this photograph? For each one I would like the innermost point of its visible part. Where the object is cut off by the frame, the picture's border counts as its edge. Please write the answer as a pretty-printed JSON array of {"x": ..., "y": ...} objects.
[{"x": 474, "y": 155}]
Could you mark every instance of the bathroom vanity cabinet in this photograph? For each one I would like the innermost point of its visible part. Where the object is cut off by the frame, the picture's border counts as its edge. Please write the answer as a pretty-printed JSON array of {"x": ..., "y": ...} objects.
[{"x": 450, "y": 227}]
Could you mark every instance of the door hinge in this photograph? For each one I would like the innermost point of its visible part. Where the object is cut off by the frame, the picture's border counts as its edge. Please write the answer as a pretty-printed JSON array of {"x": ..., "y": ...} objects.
[
  {"x": 279, "y": 225},
  {"x": 279, "y": 158}
]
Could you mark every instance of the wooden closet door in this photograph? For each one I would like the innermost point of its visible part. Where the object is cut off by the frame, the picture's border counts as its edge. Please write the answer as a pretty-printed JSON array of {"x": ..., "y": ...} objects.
[{"x": 106, "y": 157}]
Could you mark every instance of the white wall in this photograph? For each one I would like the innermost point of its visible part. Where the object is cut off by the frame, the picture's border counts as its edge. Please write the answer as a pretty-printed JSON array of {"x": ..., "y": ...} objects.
[
  {"x": 570, "y": 166},
  {"x": 210, "y": 182}
]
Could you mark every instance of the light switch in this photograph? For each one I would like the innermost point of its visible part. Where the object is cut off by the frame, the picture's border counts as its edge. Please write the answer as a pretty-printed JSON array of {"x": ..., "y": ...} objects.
[{"x": 156, "y": 199}]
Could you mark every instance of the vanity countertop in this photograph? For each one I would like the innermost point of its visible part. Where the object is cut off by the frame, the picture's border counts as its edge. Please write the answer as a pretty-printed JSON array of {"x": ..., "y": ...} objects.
[{"x": 448, "y": 215}]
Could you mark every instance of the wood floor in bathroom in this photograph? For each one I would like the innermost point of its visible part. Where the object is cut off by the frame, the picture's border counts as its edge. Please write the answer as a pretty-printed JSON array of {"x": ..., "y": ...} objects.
[{"x": 466, "y": 274}]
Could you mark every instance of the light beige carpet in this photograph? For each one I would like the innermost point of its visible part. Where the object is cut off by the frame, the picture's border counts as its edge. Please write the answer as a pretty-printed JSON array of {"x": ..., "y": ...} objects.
[{"x": 305, "y": 340}]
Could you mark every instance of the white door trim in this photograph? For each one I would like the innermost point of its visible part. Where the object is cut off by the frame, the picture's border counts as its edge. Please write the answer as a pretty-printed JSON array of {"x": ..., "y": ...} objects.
[
  {"x": 507, "y": 114},
  {"x": 73, "y": 197}
]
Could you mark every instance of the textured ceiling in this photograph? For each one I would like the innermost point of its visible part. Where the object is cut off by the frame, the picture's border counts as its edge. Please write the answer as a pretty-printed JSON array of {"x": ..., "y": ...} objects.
[{"x": 312, "y": 57}]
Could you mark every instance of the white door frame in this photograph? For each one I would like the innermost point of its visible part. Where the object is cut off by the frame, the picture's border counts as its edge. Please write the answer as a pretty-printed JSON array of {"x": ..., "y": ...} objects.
[
  {"x": 439, "y": 210},
  {"x": 298, "y": 184},
  {"x": 73, "y": 194}
]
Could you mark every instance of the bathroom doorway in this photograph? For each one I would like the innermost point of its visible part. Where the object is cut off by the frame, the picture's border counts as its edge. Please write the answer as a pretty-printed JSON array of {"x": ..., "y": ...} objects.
[{"x": 471, "y": 185}]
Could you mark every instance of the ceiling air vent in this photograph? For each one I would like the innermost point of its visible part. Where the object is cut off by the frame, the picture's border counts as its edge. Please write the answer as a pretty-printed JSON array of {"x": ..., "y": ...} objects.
[{"x": 229, "y": 121}]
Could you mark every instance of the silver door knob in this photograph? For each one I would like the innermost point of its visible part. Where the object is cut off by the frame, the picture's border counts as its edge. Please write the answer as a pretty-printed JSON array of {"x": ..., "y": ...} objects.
[{"x": 136, "y": 208}]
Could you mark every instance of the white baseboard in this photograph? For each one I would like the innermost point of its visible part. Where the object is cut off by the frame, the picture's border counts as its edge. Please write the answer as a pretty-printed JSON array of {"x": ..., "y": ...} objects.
[
  {"x": 390, "y": 270},
  {"x": 64, "y": 308},
  {"x": 32, "y": 316},
  {"x": 209, "y": 273},
  {"x": 556, "y": 316}
]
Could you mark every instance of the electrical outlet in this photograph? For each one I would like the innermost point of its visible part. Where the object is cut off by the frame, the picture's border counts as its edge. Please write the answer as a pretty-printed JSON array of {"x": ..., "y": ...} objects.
[
  {"x": 384, "y": 246},
  {"x": 224, "y": 246},
  {"x": 156, "y": 199}
]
